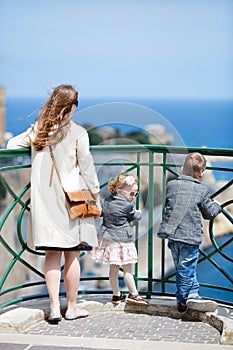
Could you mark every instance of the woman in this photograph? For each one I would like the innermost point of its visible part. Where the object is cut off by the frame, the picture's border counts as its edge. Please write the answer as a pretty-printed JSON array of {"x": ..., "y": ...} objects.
[{"x": 50, "y": 227}]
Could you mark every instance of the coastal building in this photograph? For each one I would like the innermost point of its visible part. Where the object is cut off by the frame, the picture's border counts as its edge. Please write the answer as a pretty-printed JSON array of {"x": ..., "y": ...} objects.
[{"x": 158, "y": 135}]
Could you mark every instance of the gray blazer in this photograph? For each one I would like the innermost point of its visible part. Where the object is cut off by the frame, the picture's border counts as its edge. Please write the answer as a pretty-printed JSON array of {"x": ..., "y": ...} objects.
[
  {"x": 117, "y": 215},
  {"x": 186, "y": 201}
]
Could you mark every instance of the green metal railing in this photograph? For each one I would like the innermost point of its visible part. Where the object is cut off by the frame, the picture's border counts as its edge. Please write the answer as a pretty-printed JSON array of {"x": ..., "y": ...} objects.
[{"x": 152, "y": 164}]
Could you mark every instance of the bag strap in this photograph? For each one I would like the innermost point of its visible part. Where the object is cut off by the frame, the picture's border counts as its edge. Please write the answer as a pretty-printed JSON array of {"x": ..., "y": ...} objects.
[{"x": 54, "y": 165}]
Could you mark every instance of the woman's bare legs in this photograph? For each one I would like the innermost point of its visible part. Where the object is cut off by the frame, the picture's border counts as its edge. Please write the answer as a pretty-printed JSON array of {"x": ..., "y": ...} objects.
[
  {"x": 71, "y": 278},
  {"x": 52, "y": 270}
]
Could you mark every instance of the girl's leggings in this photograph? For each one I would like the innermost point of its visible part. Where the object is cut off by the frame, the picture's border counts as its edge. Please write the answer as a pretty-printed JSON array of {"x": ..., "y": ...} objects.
[{"x": 128, "y": 278}]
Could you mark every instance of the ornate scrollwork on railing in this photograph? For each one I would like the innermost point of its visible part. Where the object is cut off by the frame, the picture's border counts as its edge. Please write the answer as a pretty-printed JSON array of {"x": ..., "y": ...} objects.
[{"x": 157, "y": 276}]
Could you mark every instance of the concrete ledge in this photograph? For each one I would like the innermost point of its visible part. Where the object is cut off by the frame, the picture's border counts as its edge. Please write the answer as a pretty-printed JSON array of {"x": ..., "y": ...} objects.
[
  {"x": 227, "y": 331},
  {"x": 20, "y": 318}
]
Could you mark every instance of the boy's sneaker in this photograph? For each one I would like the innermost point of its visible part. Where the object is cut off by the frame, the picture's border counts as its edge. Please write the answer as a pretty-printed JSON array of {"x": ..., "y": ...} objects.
[
  {"x": 137, "y": 299},
  {"x": 202, "y": 305},
  {"x": 118, "y": 299},
  {"x": 182, "y": 308}
]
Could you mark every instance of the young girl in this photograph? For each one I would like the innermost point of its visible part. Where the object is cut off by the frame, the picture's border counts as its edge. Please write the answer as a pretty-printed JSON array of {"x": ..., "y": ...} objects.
[{"x": 116, "y": 244}]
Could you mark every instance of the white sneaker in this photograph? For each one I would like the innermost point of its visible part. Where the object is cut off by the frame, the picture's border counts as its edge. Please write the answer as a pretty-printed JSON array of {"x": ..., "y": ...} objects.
[{"x": 202, "y": 305}]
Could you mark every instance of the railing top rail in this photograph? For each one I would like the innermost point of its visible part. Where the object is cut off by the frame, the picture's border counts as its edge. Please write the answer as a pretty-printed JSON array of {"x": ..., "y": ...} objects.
[
  {"x": 15, "y": 152},
  {"x": 138, "y": 148}
]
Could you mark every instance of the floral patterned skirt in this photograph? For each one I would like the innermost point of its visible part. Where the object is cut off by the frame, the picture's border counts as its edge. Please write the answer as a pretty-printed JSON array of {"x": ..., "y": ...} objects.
[{"x": 110, "y": 252}]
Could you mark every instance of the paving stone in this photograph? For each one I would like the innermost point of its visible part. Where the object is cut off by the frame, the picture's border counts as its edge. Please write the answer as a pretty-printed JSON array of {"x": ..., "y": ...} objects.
[
  {"x": 158, "y": 322},
  {"x": 4, "y": 346},
  {"x": 121, "y": 325}
]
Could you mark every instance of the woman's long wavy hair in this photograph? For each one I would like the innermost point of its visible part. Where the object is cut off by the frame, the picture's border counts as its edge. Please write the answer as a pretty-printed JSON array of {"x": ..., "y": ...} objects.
[{"x": 53, "y": 122}]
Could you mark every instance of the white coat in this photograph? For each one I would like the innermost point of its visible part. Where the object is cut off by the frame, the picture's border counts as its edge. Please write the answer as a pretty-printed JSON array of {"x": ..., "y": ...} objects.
[{"x": 49, "y": 223}]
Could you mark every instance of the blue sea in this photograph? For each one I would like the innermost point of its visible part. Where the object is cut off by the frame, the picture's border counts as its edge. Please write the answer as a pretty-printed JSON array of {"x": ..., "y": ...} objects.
[
  {"x": 193, "y": 123},
  {"x": 198, "y": 122}
]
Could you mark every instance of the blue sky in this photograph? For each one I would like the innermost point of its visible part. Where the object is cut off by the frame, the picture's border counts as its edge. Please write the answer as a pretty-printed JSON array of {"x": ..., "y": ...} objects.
[{"x": 120, "y": 48}]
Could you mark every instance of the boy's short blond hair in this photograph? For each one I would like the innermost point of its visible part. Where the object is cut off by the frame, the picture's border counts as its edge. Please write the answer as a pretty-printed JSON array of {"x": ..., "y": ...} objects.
[{"x": 194, "y": 164}]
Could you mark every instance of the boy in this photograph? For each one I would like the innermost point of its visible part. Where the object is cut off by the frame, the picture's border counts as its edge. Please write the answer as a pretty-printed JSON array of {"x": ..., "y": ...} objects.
[{"x": 186, "y": 201}]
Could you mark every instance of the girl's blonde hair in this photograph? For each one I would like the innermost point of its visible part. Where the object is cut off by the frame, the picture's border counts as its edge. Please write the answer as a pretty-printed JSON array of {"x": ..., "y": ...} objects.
[
  {"x": 120, "y": 182},
  {"x": 194, "y": 164},
  {"x": 53, "y": 122}
]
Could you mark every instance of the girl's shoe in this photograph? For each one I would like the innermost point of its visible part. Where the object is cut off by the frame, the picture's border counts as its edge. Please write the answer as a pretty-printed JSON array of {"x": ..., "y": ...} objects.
[
  {"x": 137, "y": 299},
  {"x": 54, "y": 316},
  {"x": 73, "y": 315},
  {"x": 118, "y": 299}
]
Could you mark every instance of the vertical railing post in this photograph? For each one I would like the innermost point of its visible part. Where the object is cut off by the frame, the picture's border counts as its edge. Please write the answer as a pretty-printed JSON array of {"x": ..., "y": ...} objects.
[
  {"x": 137, "y": 207},
  {"x": 163, "y": 211},
  {"x": 150, "y": 222}
]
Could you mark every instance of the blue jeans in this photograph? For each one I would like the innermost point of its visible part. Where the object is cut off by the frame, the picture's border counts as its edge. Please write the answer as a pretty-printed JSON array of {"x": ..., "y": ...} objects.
[{"x": 185, "y": 257}]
